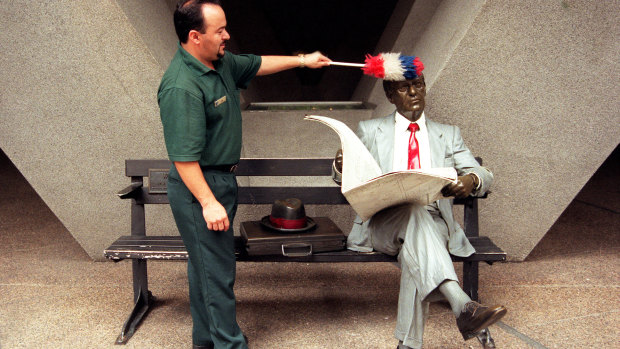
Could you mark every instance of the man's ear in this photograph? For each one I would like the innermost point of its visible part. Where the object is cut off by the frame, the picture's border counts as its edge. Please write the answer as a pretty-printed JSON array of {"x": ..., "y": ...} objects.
[{"x": 194, "y": 37}]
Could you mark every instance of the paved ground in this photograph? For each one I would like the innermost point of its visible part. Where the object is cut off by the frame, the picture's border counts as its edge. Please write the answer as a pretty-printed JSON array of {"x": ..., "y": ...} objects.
[{"x": 566, "y": 295}]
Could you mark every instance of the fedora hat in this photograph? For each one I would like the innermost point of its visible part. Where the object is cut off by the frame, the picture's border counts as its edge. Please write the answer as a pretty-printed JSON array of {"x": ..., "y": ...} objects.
[{"x": 288, "y": 216}]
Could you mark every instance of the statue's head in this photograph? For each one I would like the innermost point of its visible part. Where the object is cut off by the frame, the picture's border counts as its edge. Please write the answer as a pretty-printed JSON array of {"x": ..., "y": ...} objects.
[{"x": 407, "y": 95}]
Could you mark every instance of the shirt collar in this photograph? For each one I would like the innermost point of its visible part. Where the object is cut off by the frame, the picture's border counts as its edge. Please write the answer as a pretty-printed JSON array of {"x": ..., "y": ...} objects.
[
  {"x": 193, "y": 63},
  {"x": 402, "y": 123}
]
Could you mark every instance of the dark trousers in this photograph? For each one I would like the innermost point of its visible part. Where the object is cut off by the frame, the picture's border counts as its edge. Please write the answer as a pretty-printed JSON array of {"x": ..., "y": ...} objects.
[{"x": 211, "y": 264}]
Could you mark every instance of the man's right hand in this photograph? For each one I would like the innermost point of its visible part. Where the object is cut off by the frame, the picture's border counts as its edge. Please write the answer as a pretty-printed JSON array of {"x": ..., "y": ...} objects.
[
  {"x": 215, "y": 216},
  {"x": 213, "y": 212},
  {"x": 316, "y": 60}
]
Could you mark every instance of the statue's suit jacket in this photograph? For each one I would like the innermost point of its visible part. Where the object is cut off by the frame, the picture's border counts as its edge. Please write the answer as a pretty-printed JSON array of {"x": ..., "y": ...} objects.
[{"x": 447, "y": 150}]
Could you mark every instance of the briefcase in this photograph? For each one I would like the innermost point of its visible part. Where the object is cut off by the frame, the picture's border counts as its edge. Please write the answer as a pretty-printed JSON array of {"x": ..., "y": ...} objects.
[{"x": 260, "y": 240}]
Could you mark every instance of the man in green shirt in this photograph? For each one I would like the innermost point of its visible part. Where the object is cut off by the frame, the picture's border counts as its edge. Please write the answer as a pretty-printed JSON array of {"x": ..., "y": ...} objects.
[{"x": 200, "y": 112}]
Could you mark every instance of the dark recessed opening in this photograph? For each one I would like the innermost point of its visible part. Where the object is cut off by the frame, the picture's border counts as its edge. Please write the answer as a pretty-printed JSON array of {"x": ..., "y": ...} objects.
[{"x": 344, "y": 30}]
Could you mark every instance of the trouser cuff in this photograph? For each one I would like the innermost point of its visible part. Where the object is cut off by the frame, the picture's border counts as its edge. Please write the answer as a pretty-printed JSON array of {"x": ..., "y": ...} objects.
[{"x": 408, "y": 341}]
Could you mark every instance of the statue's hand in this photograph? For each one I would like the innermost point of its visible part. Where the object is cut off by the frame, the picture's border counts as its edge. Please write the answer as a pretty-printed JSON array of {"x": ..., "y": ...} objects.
[
  {"x": 462, "y": 188},
  {"x": 337, "y": 168},
  {"x": 338, "y": 160}
]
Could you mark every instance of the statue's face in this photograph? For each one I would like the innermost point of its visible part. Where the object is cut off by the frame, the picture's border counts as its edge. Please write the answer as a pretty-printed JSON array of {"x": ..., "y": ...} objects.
[{"x": 408, "y": 97}]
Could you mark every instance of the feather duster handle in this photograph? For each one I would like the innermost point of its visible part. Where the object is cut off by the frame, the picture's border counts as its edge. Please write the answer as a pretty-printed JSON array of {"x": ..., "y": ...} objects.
[
  {"x": 389, "y": 66},
  {"x": 344, "y": 64}
]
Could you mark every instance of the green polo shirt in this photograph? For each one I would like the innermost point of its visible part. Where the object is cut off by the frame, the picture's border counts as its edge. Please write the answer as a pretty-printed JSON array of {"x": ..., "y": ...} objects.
[{"x": 200, "y": 107}]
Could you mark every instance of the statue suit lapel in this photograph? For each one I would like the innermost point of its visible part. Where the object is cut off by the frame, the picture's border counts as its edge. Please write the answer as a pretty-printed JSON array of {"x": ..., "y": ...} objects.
[
  {"x": 436, "y": 143},
  {"x": 384, "y": 141},
  {"x": 438, "y": 159}
]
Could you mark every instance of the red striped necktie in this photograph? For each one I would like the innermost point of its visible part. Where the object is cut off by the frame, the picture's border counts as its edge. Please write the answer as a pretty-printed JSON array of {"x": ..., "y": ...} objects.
[{"x": 414, "y": 150}]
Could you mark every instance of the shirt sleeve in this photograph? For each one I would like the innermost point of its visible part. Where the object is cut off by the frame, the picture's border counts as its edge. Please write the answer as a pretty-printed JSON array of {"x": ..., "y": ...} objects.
[
  {"x": 244, "y": 68},
  {"x": 184, "y": 123}
]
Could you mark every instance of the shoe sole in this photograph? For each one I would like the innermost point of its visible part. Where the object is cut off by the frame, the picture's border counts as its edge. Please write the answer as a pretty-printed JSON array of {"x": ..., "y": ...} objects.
[{"x": 498, "y": 315}]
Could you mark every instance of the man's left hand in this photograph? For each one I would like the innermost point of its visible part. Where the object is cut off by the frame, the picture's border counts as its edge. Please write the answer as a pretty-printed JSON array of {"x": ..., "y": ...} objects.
[
  {"x": 462, "y": 188},
  {"x": 316, "y": 60}
]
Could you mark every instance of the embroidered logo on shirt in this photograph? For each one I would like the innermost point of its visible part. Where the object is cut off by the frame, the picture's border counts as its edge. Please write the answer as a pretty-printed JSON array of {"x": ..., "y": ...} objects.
[{"x": 219, "y": 101}]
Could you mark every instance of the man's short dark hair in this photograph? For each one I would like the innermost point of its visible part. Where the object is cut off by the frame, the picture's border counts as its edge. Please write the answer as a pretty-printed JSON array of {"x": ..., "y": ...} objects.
[{"x": 188, "y": 17}]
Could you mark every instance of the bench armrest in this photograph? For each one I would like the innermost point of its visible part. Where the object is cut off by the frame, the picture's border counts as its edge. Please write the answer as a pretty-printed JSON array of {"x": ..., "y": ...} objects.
[{"x": 129, "y": 192}]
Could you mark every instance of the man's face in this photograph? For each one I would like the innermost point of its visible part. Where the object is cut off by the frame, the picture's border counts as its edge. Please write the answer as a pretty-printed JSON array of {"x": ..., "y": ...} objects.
[
  {"x": 213, "y": 41},
  {"x": 408, "y": 97}
]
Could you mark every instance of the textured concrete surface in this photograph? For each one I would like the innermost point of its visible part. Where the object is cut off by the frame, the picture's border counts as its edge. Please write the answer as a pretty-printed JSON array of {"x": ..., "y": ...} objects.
[
  {"x": 152, "y": 20},
  {"x": 565, "y": 295},
  {"x": 512, "y": 88},
  {"x": 78, "y": 97}
]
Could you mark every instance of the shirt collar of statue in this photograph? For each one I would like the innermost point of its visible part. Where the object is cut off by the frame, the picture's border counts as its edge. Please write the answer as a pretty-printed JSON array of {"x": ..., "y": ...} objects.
[{"x": 402, "y": 123}]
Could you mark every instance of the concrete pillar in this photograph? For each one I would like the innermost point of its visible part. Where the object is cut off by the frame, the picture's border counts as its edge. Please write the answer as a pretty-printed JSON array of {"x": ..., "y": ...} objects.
[{"x": 79, "y": 86}]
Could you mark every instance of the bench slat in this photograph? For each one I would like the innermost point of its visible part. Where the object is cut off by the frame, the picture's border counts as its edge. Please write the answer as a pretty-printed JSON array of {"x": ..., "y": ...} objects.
[
  {"x": 308, "y": 195},
  {"x": 248, "y": 167},
  {"x": 328, "y": 195},
  {"x": 140, "y": 168},
  {"x": 264, "y": 195},
  {"x": 171, "y": 247},
  {"x": 267, "y": 195},
  {"x": 285, "y": 167}
]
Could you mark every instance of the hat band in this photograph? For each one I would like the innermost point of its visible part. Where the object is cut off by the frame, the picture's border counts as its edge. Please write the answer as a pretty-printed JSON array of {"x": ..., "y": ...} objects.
[{"x": 288, "y": 223}]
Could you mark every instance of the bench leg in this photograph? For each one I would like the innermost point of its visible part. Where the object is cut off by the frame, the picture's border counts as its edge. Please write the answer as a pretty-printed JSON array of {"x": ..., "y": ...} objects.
[
  {"x": 143, "y": 301},
  {"x": 485, "y": 339},
  {"x": 470, "y": 279},
  {"x": 470, "y": 286}
]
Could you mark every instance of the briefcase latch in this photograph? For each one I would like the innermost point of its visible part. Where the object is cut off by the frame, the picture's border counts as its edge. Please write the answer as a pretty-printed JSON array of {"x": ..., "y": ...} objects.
[{"x": 297, "y": 249}]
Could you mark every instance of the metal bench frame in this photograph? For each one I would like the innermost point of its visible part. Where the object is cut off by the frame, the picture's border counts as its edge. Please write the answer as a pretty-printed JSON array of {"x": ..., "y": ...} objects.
[{"x": 140, "y": 248}]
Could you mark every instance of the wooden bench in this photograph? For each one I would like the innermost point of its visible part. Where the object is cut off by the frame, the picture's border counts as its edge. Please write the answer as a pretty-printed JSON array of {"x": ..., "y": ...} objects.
[{"x": 140, "y": 247}]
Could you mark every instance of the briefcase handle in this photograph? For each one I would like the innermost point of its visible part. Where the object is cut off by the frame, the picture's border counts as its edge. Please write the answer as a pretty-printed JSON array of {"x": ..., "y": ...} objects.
[{"x": 296, "y": 245}]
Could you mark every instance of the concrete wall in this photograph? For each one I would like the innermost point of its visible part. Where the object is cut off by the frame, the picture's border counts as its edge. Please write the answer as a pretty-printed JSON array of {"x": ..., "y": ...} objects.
[
  {"x": 79, "y": 82},
  {"x": 533, "y": 86},
  {"x": 152, "y": 21}
]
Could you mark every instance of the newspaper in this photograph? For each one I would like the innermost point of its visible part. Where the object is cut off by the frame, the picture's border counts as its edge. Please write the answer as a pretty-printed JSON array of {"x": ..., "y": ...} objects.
[{"x": 368, "y": 190}]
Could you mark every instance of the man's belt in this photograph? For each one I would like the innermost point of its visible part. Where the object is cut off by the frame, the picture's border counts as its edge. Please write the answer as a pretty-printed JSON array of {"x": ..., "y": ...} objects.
[{"x": 221, "y": 168}]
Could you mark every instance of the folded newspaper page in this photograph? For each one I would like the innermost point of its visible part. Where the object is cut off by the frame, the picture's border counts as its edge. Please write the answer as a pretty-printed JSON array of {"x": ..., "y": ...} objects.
[{"x": 368, "y": 190}]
